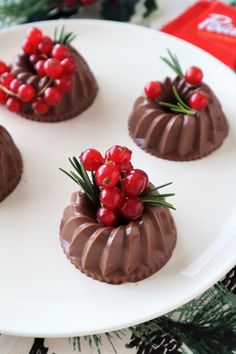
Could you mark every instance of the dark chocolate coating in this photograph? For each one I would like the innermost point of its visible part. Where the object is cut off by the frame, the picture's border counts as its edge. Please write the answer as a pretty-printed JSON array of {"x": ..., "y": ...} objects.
[
  {"x": 81, "y": 96},
  {"x": 10, "y": 164},
  {"x": 178, "y": 136},
  {"x": 127, "y": 253}
]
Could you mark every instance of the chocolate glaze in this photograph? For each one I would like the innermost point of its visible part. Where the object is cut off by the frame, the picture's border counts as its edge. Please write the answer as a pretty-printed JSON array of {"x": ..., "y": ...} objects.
[
  {"x": 126, "y": 253},
  {"x": 82, "y": 95},
  {"x": 10, "y": 164},
  {"x": 179, "y": 136}
]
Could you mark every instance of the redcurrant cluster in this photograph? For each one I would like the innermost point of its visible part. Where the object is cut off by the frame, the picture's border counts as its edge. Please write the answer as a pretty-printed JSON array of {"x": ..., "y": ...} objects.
[
  {"x": 49, "y": 60},
  {"x": 193, "y": 76},
  {"x": 119, "y": 183}
]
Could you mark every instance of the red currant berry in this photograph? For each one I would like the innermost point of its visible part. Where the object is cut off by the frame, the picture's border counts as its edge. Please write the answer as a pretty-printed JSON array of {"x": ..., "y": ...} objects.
[
  {"x": 193, "y": 75},
  {"x": 144, "y": 176},
  {"x": 69, "y": 66},
  {"x": 34, "y": 35},
  {"x": 199, "y": 100},
  {"x": 124, "y": 168},
  {"x": 14, "y": 85},
  {"x": 3, "y": 97},
  {"x": 53, "y": 68},
  {"x": 28, "y": 47},
  {"x": 112, "y": 198},
  {"x": 6, "y": 79},
  {"x": 4, "y": 68},
  {"x": 107, "y": 217},
  {"x": 39, "y": 67},
  {"x": 45, "y": 46},
  {"x": 118, "y": 154},
  {"x": 107, "y": 176},
  {"x": 134, "y": 183},
  {"x": 40, "y": 106},
  {"x": 153, "y": 90},
  {"x": 91, "y": 159},
  {"x": 26, "y": 92},
  {"x": 65, "y": 83},
  {"x": 13, "y": 104},
  {"x": 132, "y": 208},
  {"x": 60, "y": 52},
  {"x": 52, "y": 96},
  {"x": 34, "y": 58}
]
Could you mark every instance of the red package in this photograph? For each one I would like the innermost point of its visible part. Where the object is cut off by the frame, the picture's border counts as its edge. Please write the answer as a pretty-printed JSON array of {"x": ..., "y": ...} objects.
[{"x": 211, "y": 25}]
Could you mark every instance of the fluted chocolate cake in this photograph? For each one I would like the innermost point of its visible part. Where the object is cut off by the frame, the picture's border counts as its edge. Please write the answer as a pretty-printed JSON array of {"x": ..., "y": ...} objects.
[
  {"x": 10, "y": 164},
  {"x": 126, "y": 253},
  {"x": 119, "y": 228},
  {"x": 178, "y": 119},
  {"x": 49, "y": 81}
]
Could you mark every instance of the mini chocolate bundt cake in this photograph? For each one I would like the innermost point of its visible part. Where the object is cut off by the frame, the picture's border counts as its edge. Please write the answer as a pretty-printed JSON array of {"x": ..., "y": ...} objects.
[
  {"x": 178, "y": 136},
  {"x": 127, "y": 253},
  {"x": 10, "y": 164},
  {"x": 80, "y": 97}
]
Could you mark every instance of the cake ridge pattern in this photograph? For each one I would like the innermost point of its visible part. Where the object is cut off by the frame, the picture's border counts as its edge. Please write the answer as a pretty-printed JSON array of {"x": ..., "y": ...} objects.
[
  {"x": 178, "y": 136},
  {"x": 10, "y": 164},
  {"x": 80, "y": 97},
  {"x": 129, "y": 252}
]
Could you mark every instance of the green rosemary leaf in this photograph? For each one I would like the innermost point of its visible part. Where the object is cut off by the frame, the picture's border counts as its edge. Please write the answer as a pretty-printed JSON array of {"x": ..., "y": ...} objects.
[
  {"x": 179, "y": 99},
  {"x": 171, "y": 66},
  {"x": 74, "y": 165},
  {"x": 68, "y": 174},
  {"x": 160, "y": 202},
  {"x": 95, "y": 188},
  {"x": 60, "y": 40},
  {"x": 71, "y": 38},
  {"x": 161, "y": 186},
  {"x": 173, "y": 63},
  {"x": 86, "y": 178},
  {"x": 167, "y": 104},
  {"x": 183, "y": 110},
  {"x": 78, "y": 166},
  {"x": 176, "y": 60},
  {"x": 166, "y": 195}
]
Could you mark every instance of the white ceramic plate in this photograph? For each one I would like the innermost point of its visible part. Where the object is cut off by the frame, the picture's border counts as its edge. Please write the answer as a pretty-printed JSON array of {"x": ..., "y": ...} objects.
[{"x": 42, "y": 294}]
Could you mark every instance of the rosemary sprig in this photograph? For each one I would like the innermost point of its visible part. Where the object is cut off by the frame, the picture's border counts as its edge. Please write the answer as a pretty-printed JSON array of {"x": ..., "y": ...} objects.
[
  {"x": 180, "y": 107},
  {"x": 81, "y": 177},
  {"x": 63, "y": 37},
  {"x": 159, "y": 199},
  {"x": 173, "y": 63}
]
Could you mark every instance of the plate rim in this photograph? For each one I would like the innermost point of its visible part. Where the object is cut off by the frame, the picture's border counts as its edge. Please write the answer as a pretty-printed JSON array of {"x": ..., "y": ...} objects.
[{"x": 202, "y": 287}]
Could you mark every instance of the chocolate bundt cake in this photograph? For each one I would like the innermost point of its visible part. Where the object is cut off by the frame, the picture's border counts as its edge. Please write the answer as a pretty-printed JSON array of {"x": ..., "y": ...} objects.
[
  {"x": 73, "y": 103},
  {"x": 126, "y": 253},
  {"x": 10, "y": 164},
  {"x": 178, "y": 136}
]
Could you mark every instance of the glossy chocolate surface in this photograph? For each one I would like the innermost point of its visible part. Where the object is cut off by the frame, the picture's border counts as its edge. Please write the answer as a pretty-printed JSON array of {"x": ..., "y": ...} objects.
[
  {"x": 10, "y": 164},
  {"x": 126, "y": 253},
  {"x": 81, "y": 96},
  {"x": 179, "y": 136}
]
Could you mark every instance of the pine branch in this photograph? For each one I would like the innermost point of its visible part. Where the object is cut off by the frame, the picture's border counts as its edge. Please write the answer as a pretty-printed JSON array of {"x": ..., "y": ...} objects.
[{"x": 10, "y": 11}]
